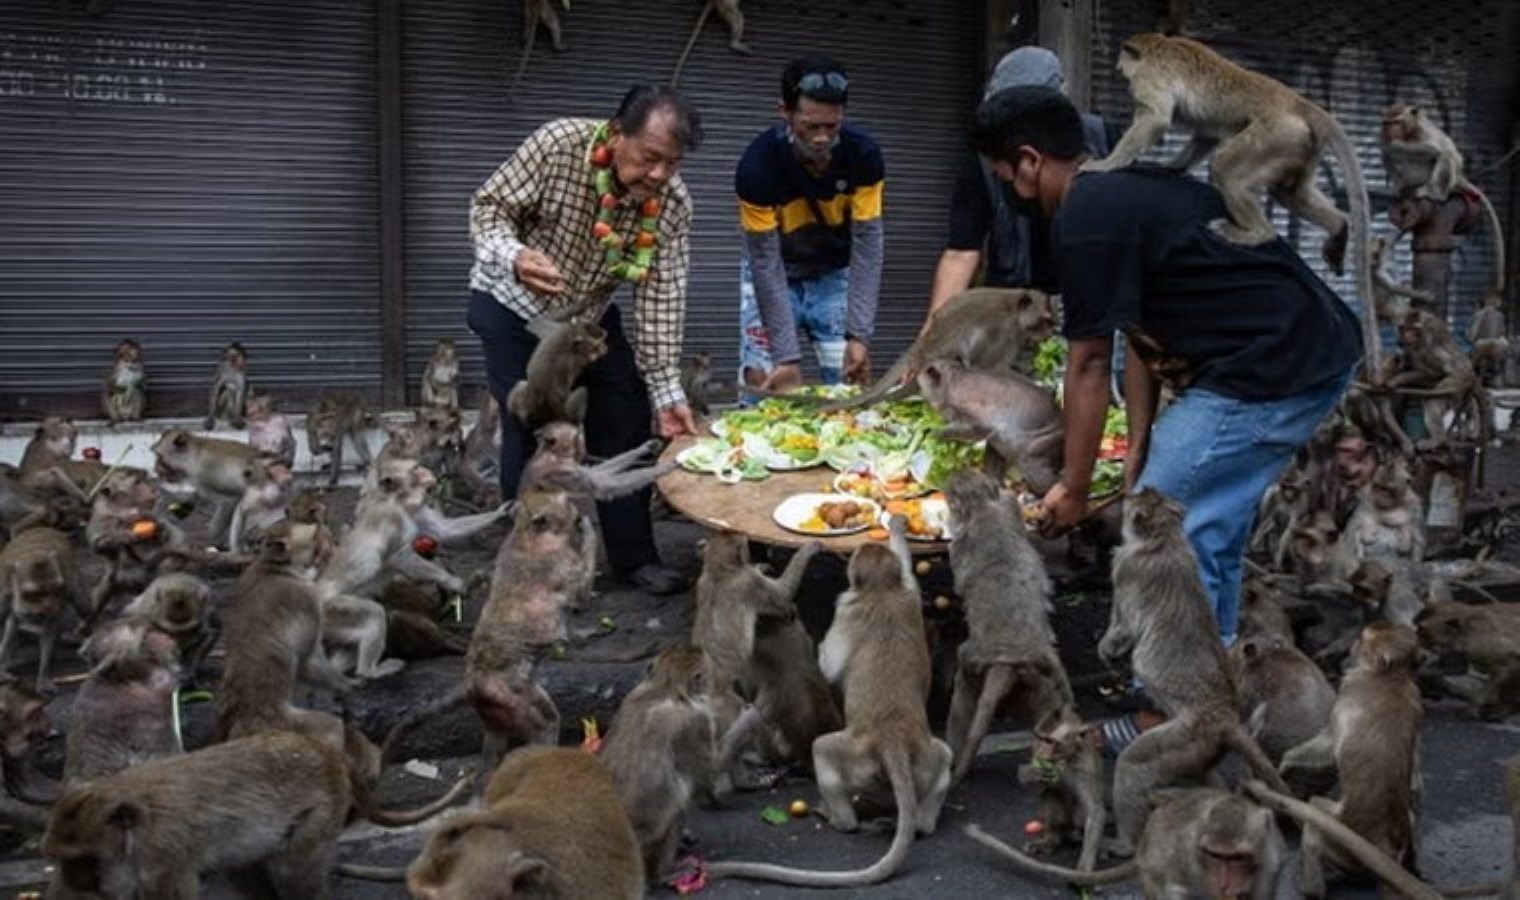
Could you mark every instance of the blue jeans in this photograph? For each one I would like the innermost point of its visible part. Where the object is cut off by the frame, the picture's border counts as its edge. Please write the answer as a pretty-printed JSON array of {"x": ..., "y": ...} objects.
[
  {"x": 818, "y": 309},
  {"x": 1217, "y": 456}
]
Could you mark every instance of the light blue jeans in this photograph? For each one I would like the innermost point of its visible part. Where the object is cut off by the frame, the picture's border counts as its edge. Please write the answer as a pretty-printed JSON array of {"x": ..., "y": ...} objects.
[
  {"x": 1217, "y": 456},
  {"x": 818, "y": 309}
]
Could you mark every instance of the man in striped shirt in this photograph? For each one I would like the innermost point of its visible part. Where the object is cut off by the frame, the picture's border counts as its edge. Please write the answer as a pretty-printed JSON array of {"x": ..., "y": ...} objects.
[{"x": 551, "y": 239}]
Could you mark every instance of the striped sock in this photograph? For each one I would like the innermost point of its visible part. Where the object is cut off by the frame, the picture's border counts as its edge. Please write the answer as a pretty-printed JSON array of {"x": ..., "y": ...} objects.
[{"x": 1119, "y": 733}]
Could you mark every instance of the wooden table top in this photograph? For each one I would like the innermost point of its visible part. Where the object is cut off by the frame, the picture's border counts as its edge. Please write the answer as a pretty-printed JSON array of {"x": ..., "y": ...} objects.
[{"x": 746, "y": 506}]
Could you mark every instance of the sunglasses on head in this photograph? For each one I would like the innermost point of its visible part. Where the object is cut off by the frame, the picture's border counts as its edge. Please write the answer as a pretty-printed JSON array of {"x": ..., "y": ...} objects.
[{"x": 814, "y": 81}]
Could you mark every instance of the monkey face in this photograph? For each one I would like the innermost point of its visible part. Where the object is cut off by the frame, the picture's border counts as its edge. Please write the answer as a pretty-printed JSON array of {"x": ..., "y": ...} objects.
[
  {"x": 128, "y": 352},
  {"x": 175, "y": 455},
  {"x": 1400, "y": 122},
  {"x": 36, "y": 581},
  {"x": 1037, "y": 318},
  {"x": 58, "y": 435},
  {"x": 24, "y": 716},
  {"x": 1390, "y": 484},
  {"x": 562, "y": 440},
  {"x": 235, "y": 357}
]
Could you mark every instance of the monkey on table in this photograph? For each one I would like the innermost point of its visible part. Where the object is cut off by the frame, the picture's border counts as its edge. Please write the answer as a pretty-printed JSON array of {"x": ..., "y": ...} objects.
[{"x": 1255, "y": 348}]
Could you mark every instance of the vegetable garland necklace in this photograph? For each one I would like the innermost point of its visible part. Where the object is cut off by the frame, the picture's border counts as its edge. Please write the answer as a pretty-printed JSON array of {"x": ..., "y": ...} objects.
[{"x": 636, "y": 267}]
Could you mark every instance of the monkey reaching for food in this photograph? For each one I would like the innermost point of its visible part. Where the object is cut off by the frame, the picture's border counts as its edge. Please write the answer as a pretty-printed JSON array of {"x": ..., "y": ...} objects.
[
  {"x": 137, "y": 545},
  {"x": 229, "y": 388}
]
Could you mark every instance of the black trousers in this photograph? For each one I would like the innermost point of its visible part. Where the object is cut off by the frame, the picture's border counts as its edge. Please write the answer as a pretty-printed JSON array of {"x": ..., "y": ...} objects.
[{"x": 617, "y": 417}]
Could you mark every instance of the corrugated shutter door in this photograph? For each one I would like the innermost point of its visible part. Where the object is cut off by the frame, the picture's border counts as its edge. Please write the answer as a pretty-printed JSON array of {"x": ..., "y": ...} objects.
[
  {"x": 188, "y": 173},
  {"x": 1354, "y": 58},
  {"x": 913, "y": 82}
]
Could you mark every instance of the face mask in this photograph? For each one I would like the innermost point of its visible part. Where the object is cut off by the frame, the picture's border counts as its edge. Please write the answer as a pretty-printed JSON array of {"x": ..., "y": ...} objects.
[
  {"x": 806, "y": 150},
  {"x": 1029, "y": 208}
]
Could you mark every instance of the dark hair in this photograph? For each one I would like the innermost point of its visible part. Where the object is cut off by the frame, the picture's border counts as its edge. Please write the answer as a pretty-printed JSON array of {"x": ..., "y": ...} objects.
[
  {"x": 642, "y": 100},
  {"x": 1038, "y": 117},
  {"x": 829, "y": 84}
]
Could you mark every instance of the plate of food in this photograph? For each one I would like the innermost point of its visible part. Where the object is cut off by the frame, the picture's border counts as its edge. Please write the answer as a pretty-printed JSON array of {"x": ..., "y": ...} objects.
[
  {"x": 727, "y": 462},
  {"x": 928, "y": 517},
  {"x": 826, "y": 515},
  {"x": 875, "y": 483}
]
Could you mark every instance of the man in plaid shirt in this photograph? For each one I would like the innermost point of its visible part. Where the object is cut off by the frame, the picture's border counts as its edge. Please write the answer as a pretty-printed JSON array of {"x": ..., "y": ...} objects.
[{"x": 536, "y": 254}]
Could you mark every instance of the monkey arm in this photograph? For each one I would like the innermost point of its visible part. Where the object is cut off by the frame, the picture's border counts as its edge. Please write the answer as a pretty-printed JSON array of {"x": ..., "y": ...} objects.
[
  {"x": 445, "y": 529},
  {"x": 1153, "y": 114},
  {"x": 897, "y": 542},
  {"x": 406, "y": 561},
  {"x": 626, "y": 459},
  {"x": 784, "y": 587},
  {"x": 614, "y": 486}
]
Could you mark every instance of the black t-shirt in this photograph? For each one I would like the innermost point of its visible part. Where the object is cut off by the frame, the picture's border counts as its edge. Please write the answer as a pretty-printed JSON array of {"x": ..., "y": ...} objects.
[
  {"x": 1135, "y": 253},
  {"x": 971, "y": 218}
]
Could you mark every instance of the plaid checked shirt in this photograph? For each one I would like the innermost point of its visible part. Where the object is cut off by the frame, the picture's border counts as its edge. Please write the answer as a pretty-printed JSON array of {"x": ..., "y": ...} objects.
[{"x": 545, "y": 198}]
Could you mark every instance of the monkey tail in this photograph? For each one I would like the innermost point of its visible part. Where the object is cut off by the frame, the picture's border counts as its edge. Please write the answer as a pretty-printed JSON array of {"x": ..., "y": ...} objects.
[
  {"x": 900, "y": 773},
  {"x": 1122, "y": 872},
  {"x": 1363, "y": 851},
  {"x": 1239, "y": 740},
  {"x": 396, "y": 818},
  {"x": 675, "y": 77},
  {"x": 370, "y": 873},
  {"x": 888, "y": 387},
  {"x": 1360, "y": 228},
  {"x": 453, "y": 698},
  {"x": 1495, "y": 229}
]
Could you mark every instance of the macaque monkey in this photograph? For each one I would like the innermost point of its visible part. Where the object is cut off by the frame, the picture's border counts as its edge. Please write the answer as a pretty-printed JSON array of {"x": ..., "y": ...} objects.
[
  {"x": 1066, "y": 765},
  {"x": 876, "y": 649},
  {"x": 1397, "y": 590},
  {"x": 1488, "y": 638},
  {"x": 265, "y": 501},
  {"x": 269, "y": 431},
  {"x": 124, "y": 713},
  {"x": 660, "y": 753},
  {"x": 1392, "y": 299},
  {"x": 1374, "y": 739},
  {"x": 217, "y": 469},
  {"x": 1389, "y": 520},
  {"x": 732, "y": 597},
  {"x": 56, "y": 504},
  {"x": 480, "y": 461},
  {"x": 337, "y": 415},
  {"x": 409, "y": 636},
  {"x": 39, "y": 584},
  {"x": 1423, "y": 162},
  {"x": 434, "y": 436},
  {"x": 137, "y": 545},
  {"x": 23, "y": 727},
  {"x": 536, "y": 13},
  {"x": 277, "y": 801},
  {"x": 734, "y": 16},
  {"x": 696, "y": 374},
  {"x": 983, "y": 328},
  {"x": 538, "y": 569},
  {"x": 547, "y": 393},
  {"x": 440, "y": 380},
  {"x": 1181, "y": 663},
  {"x": 1284, "y": 503},
  {"x": 52, "y": 443},
  {"x": 1010, "y": 649},
  {"x": 1268, "y": 137},
  {"x": 229, "y": 388},
  {"x": 1435, "y": 369},
  {"x": 1018, "y": 418},
  {"x": 274, "y": 635},
  {"x": 124, "y": 395},
  {"x": 552, "y": 826},
  {"x": 1285, "y": 698},
  {"x": 1201, "y": 842},
  {"x": 1489, "y": 335},
  {"x": 180, "y": 605},
  {"x": 1261, "y": 613},
  {"x": 1314, "y": 551}
]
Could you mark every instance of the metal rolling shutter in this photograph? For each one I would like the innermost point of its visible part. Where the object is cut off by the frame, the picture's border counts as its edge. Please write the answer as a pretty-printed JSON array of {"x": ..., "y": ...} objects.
[
  {"x": 914, "y": 76},
  {"x": 186, "y": 172},
  {"x": 1354, "y": 58}
]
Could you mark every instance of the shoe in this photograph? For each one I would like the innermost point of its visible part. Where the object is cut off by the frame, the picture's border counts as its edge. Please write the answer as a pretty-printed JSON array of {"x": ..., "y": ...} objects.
[
  {"x": 1121, "y": 731},
  {"x": 656, "y": 579}
]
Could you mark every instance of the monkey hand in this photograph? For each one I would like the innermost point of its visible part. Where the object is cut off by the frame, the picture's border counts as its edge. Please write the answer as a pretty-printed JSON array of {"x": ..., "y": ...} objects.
[
  {"x": 504, "y": 510},
  {"x": 653, "y": 446}
]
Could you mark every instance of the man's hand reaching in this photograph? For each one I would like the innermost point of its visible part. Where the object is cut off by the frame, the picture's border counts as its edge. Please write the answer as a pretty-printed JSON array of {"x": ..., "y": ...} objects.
[{"x": 537, "y": 272}]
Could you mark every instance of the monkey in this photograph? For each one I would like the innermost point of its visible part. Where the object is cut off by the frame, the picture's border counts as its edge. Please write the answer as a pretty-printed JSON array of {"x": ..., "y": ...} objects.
[
  {"x": 137, "y": 544},
  {"x": 1488, "y": 639},
  {"x": 24, "y": 725},
  {"x": 229, "y": 388},
  {"x": 1285, "y": 503},
  {"x": 792, "y": 697},
  {"x": 1010, "y": 649},
  {"x": 124, "y": 713},
  {"x": 1315, "y": 553},
  {"x": 547, "y": 393},
  {"x": 1181, "y": 663},
  {"x": 268, "y": 430},
  {"x": 409, "y": 636},
  {"x": 1398, "y": 590},
  {"x": 1201, "y": 842},
  {"x": 337, "y": 415},
  {"x": 696, "y": 374},
  {"x": 440, "y": 380},
  {"x": 1423, "y": 162},
  {"x": 265, "y": 501},
  {"x": 124, "y": 393},
  {"x": 538, "y": 568},
  {"x": 180, "y": 605},
  {"x": 876, "y": 648},
  {"x": 1374, "y": 739},
  {"x": 660, "y": 751},
  {"x": 1489, "y": 336},
  {"x": 1389, "y": 520},
  {"x": 1067, "y": 766},
  {"x": 39, "y": 584},
  {"x": 56, "y": 503},
  {"x": 1267, "y": 135},
  {"x": 552, "y": 825},
  {"x": 1261, "y": 613},
  {"x": 277, "y": 801},
  {"x": 274, "y": 635},
  {"x": 732, "y": 597},
  {"x": 53, "y": 442},
  {"x": 480, "y": 460},
  {"x": 1436, "y": 370},
  {"x": 217, "y": 469},
  {"x": 734, "y": 16},
  {"x": 1393, "y": 300},
  {"x": 536, "y": 13},
  {"x": 981, "y": 328},
  {"x": 1285, "y": 698},
  {"x": 309, "y": 507},
  {"x": 1017, "y": 417},
  {"x": 434, "y": 436}
]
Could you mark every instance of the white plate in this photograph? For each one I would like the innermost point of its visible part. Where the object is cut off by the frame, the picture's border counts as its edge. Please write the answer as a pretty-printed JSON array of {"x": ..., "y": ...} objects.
[
  {"x": 780, "y": 462},
  {"x": 798, "y": 508},
  {"x": 685, "y": 458},
  {"x": 936, "y": 512}
]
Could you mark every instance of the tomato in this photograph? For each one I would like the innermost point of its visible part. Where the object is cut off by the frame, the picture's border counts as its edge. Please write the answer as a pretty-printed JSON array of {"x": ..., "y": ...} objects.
[
  {"x": 601, "y": 230},
  {"x": 608, "y": 201},
  {"x": 644, "y": 239},
  {"x": 425, "y": 546},
  {"x": 91, "y": 453},
  {"x": 601, "y": 157},
  {"x": 650, "y": 208}
]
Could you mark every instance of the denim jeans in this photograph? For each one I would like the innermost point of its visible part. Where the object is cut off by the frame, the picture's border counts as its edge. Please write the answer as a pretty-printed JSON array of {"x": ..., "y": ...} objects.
[
  {"x": 1217, "y": 456},
  {"x": 818, "y": 309}
]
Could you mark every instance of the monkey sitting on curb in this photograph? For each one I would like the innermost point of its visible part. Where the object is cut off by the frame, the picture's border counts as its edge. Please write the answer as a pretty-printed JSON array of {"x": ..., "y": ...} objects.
[{"x": 229, "y": 388}]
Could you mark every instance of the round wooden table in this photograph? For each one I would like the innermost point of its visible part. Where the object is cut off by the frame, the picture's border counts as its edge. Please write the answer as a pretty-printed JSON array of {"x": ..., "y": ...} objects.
[{"x": 746, "y": 506}]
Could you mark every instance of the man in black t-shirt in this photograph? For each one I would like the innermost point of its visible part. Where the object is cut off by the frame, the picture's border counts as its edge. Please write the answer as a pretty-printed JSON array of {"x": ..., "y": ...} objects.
[{"x": 1255, "y": 347}]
